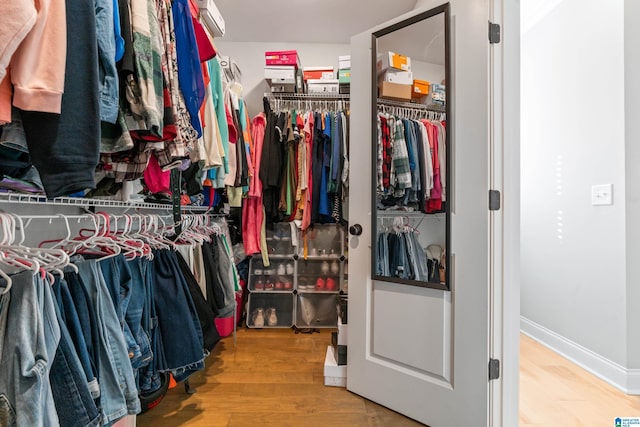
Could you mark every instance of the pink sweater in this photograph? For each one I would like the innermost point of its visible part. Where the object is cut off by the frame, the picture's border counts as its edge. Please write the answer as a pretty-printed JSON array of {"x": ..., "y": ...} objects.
[
  {"x": 38, "y": 63},
  {"x": 18, "y": 18}
]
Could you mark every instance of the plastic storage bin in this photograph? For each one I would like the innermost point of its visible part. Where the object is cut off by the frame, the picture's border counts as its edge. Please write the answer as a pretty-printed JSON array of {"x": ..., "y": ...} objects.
[
  {"x": 279, "y": 241},
  {"x": 277, "y": 277},
  {"x": 319, "y": 275},
  {"x": 324, "y": 241},
  {"x": 316, "y": 311},
  {"x": 270, "y": 310}
]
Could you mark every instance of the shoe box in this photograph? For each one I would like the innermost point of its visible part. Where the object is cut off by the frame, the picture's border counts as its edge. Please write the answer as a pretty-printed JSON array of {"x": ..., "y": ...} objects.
[{"x": 334, "y": 375}]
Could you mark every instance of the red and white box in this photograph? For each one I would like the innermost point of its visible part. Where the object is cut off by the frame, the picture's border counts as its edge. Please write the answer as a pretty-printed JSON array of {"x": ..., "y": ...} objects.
[
  {"x": 282, "y": 57},
  {"x": 319, "y": 73}
]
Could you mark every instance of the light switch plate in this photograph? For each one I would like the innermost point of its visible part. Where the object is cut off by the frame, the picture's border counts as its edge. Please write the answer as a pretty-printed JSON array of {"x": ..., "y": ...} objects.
[{"x": 602, "y": 194}]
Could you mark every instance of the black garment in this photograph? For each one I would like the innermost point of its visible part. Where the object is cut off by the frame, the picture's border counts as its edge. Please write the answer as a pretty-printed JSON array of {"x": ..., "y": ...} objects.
[
  {"x": 65, "y": 147},
  {"x": 215, "y": 294},
  {"x": 271, "y": 166},
  {"x": 317, "y": 163},
  {"x": 423, "y": 166},
  {"x": 242, "y": 169},
  {"x": 205, "y": 314}
]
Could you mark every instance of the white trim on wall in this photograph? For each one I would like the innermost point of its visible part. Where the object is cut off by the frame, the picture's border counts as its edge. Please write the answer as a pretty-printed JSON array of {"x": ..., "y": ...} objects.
[{"x": 626, "y": 380}]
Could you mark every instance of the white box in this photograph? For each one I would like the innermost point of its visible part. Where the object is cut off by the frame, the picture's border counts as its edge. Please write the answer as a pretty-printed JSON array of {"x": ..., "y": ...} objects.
[
  {"x": 211, "y": 17},
  {"x": 342, "y": 333},
  {"x": 334, "y": 375},
  {"x": 323, "y": 86},
  {"x": 344, "y": 58},
  {"x": 344, "y": 64},
  {"x": 399, "y": 77},
  {"x": 273, "y": 72},
  {"x": 393, "y": 60}
]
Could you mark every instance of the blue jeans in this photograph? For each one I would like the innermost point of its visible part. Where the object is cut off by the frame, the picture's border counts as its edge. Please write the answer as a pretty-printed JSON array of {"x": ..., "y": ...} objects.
[
  {"x": 181, "y": 351},
  {"x": 127, "y": 294},
  {"x": 148, "y": 376},
  {"x": 118, "y": 392},
  {"x": 29, "y": 335},
  {"x": 74, "y": 402},
  {"x": 69, "y": 316}
]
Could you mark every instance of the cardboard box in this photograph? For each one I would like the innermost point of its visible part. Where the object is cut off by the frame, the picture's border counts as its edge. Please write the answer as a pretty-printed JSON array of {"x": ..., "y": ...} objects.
[
  {"x": 323, "y": 86},
  {"x": 395, "y": 76},
  {"x": 273, "y": 72},
  {"x": 393, "y": 60},
  {"x": 394, "y": 91},
  {"x": 316, "y": 73},
  {"x": 420, "y": 88},
  {"x": 344, "y": 76},
  {"x": 282, "y": 57}
]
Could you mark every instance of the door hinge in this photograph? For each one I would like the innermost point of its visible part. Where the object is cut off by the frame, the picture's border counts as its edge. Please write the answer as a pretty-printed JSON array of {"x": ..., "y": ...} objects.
[
  {"x": 494, "y": 33},
  {"x": 494, "y": 369},
  {"x": 494, "y": 200}
]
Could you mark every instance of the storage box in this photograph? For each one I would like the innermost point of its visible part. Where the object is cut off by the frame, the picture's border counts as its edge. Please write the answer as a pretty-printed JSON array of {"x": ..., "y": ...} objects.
[
  {"x": 282, "y": 57},
  {"x": 394, "y": 91},
  {"x": 339, "y": 350},
  {"x": 325, "y": 241},
  {"x": 345, "y": 88},
  {"x": 438, "y": 94},
  {"x": 277, "y": 277},
  {"x": 316, "y": 310},
  {"x": 395, "y": 76},
  {"x": 344, "y": 76},
  {"x": 280, "y": 241},
  {"x": 334, "y": 375},
  {"x": 322, "y": 86},
  {"x": 310, "y": 270},
  {"x": 393, "y": 60},
  {"x": 281, "y": 72},
  {"x": 344, "y": 61},
  {"x": 420, "y": 88},
  {"x": 283, "y": 88},
  {"x": 260, "y": 304},
  {"x": 322, "y": 72}
]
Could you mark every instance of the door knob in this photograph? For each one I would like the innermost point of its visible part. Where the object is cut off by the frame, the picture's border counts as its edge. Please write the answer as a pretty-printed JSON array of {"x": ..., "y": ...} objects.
[{"x": 355, "y": 230}]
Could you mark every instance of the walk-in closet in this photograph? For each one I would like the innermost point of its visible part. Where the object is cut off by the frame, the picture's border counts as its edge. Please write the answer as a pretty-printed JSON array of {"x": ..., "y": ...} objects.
[{"x": 232, "y": 213}]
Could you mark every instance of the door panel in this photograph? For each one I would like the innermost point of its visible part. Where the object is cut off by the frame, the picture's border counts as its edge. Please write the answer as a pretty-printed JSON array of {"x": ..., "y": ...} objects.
[
  {"x": 424, "y": 352},
  {"x": 426, "y": 318}
]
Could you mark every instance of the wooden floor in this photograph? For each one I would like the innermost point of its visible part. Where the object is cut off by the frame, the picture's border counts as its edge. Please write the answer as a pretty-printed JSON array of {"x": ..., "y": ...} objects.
[
  {"x": 556, "y": 392},
  {"x": 275, "y": 378}
]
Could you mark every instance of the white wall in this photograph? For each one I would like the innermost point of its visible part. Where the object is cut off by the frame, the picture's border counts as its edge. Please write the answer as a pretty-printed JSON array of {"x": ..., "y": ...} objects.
[
  {"x": 632, "y": 130},
  {"x": 250, "y": 59},
  {"x": 573, "y": 136}
]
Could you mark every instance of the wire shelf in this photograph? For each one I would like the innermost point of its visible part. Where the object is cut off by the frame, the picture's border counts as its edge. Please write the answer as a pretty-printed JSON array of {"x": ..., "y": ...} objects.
[
  {"x": 309, "y": 96},
  {"x": 431, "y": 107},
  {"x": 80, "y": 202}
]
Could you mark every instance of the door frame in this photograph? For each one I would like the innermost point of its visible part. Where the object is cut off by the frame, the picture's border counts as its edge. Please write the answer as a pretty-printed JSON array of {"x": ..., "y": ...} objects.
[{"x": 505, "y": 223}]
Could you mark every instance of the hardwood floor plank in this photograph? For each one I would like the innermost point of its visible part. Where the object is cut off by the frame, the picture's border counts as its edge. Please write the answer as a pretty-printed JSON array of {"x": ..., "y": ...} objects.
[{"x": 275, "y": 378}]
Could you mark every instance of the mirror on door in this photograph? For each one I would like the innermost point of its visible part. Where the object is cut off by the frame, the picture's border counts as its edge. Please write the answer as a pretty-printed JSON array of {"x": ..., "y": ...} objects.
[{"x": 410, "y": 216}]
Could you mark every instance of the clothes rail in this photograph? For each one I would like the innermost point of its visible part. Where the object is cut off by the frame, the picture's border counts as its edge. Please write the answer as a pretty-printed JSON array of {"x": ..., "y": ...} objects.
[
  {"x": 311, "y": 101},
  {"x": 411, "y": 110}
]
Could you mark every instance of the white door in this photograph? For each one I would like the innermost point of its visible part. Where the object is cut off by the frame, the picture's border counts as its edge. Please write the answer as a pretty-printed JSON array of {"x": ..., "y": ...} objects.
[{"x": 420, "y": 351}]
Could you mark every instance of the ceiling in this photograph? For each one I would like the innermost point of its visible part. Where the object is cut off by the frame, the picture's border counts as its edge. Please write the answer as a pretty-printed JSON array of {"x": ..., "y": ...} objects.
[
  {"x": 423, "y": 41},
  {"x": 305, "y": 21}
]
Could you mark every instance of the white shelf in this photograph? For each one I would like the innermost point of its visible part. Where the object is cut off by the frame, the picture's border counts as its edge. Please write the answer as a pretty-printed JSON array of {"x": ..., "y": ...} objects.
[{"x": 81, "y": 202}]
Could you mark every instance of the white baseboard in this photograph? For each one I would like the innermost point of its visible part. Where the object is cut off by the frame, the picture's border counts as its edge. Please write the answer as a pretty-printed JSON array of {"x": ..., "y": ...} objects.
[{"x": 626, "y": 380}]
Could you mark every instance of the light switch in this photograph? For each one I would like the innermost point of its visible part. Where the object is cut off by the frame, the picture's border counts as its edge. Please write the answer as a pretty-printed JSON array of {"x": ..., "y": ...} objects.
[{"x": 602, "y": 194}]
